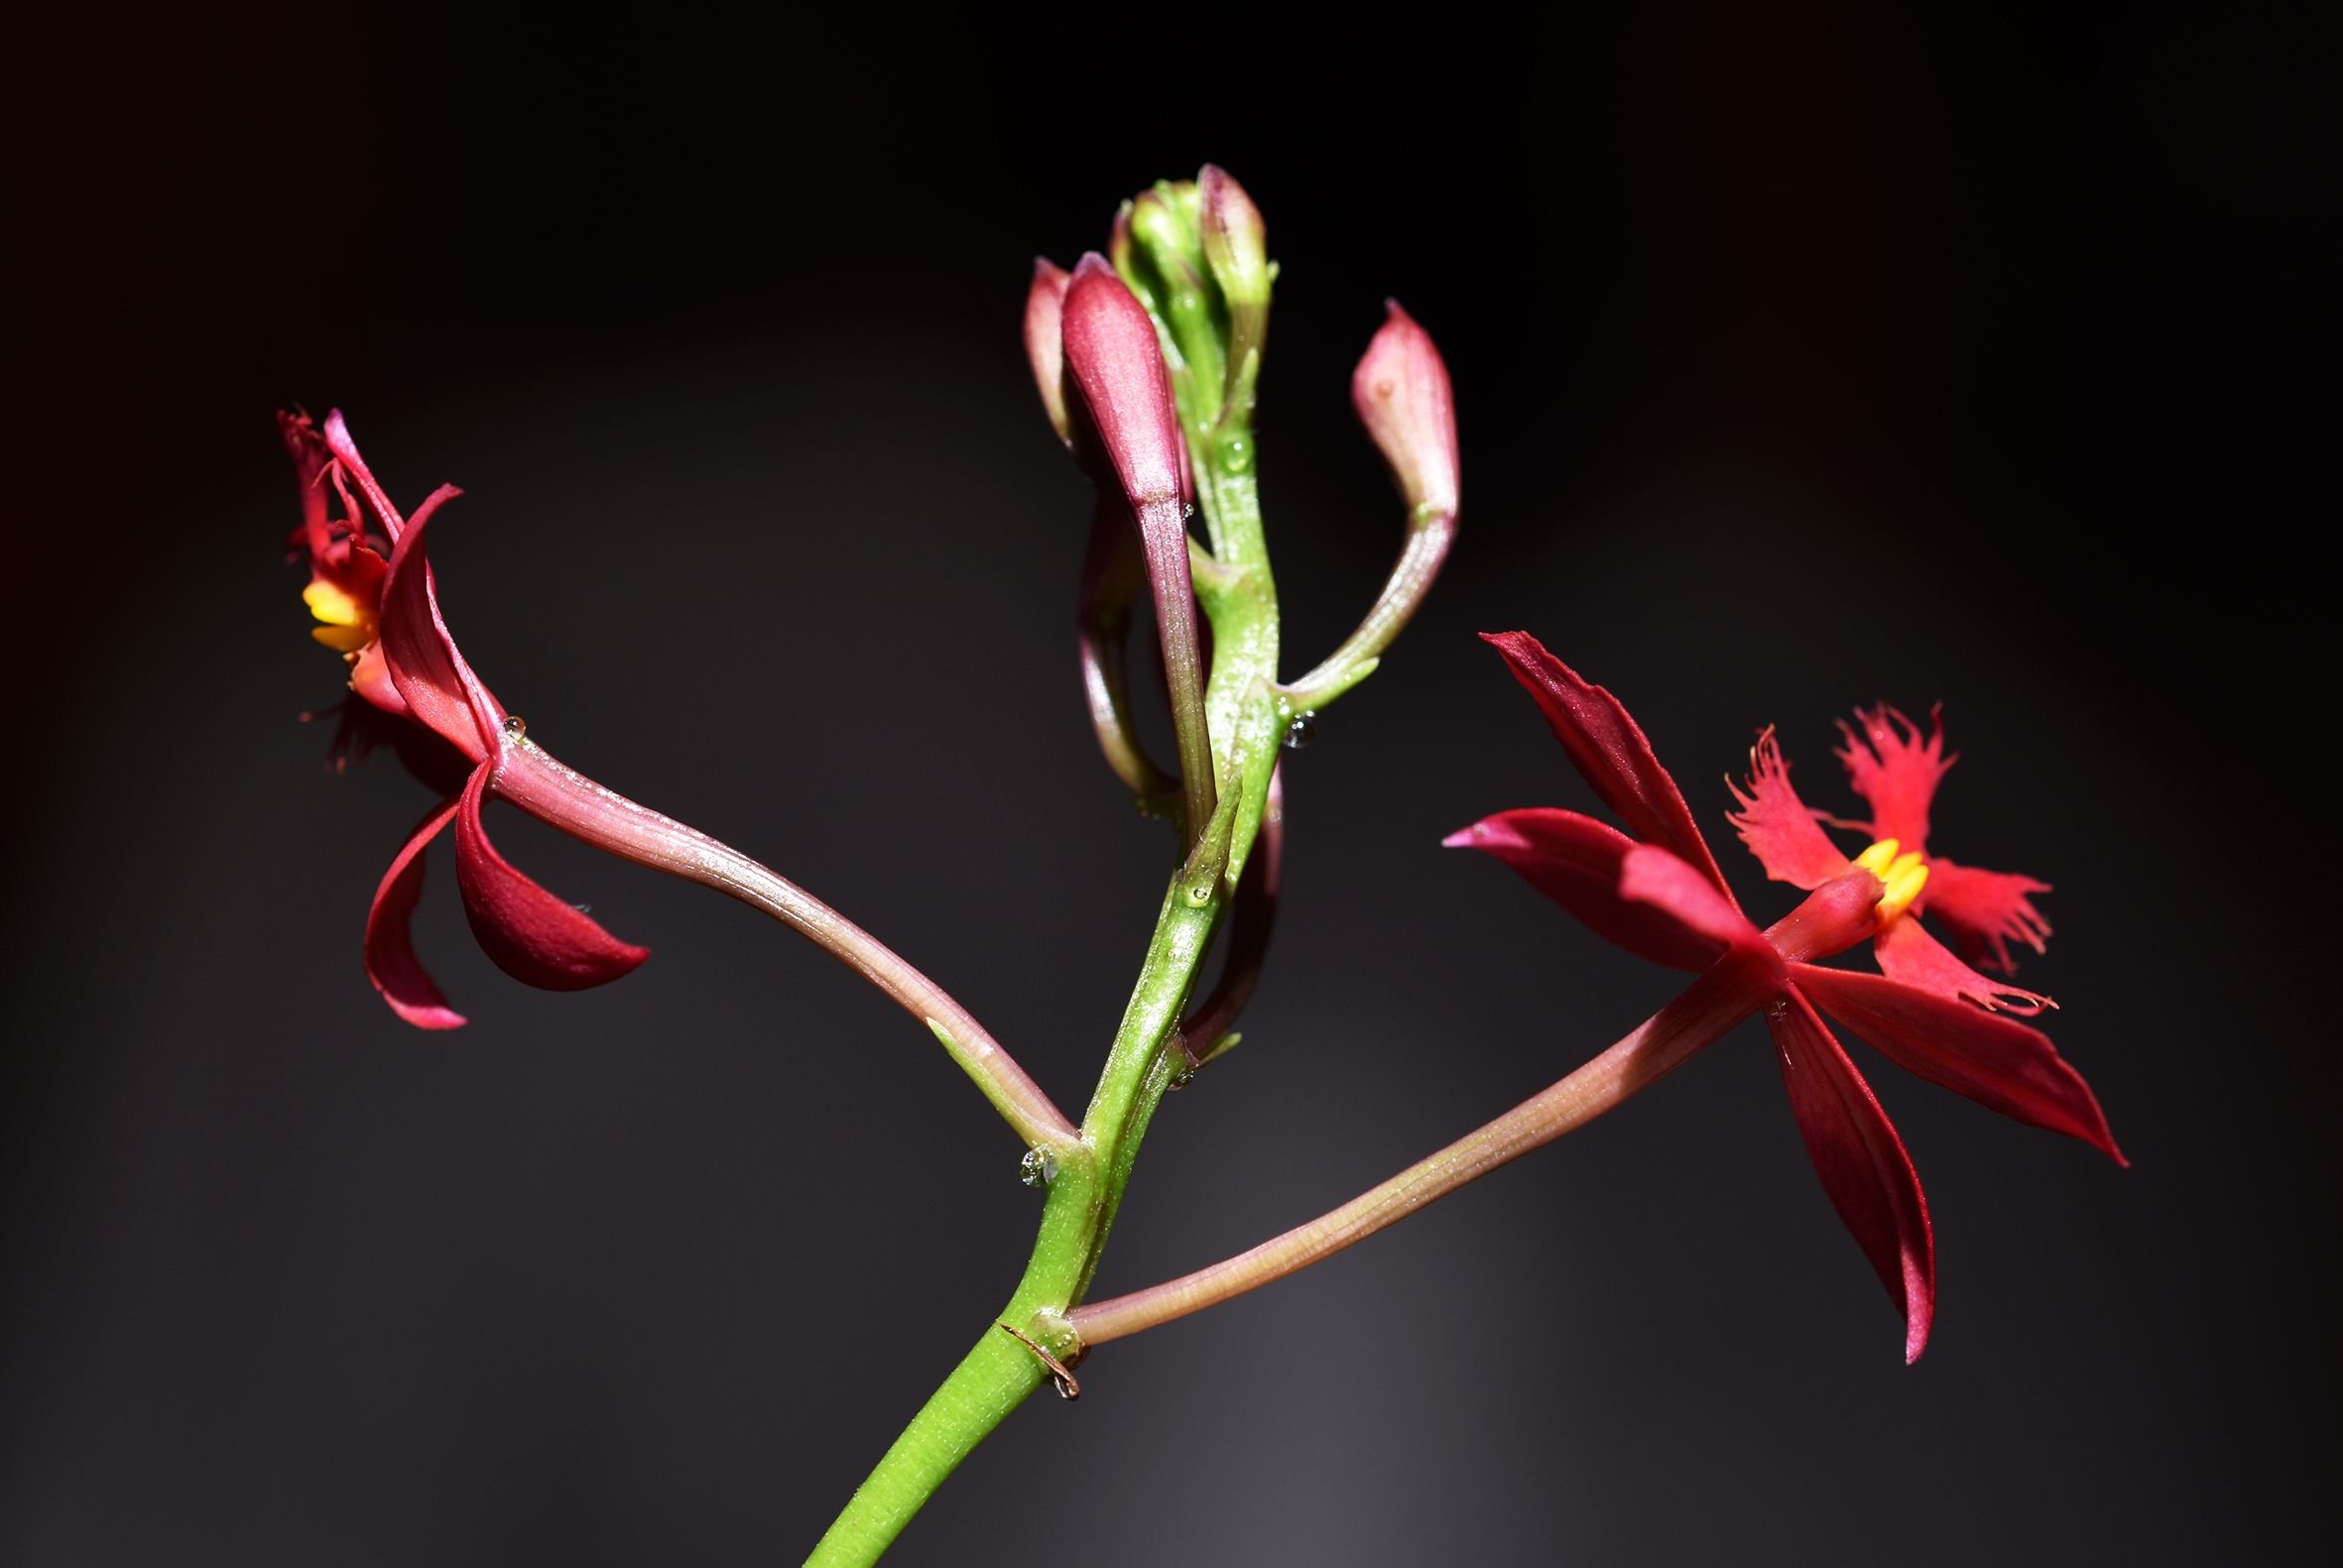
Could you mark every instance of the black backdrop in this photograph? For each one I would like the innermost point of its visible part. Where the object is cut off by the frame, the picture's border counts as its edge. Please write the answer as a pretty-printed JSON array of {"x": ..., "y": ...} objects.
[{"x": 1801, "y": 362}]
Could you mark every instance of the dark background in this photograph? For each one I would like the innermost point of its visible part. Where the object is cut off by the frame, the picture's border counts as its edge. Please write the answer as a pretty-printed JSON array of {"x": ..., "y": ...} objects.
[{"x": 1801, "y": 361}]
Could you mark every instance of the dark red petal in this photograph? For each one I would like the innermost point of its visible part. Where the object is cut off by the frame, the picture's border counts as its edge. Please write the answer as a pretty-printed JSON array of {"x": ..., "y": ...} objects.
[
  {"x": 1861, "y": 1161},
  {"x": 1908, "y": 953},
  {"x": 534, "y": 936},
  {"x": 1777, "y": 825},
  {"x": 1895, "y": 768},
  {"x": 1576, "y": 861},
  {"x": 1996, "y": 1062},
  {"x": 390, "y": 951},
  {"x": 438, "y": 687},
  {"x": 1649, "y": 875},
  {"x": 1609, "y": 750},
  {"x": 1987, "y": 910}
]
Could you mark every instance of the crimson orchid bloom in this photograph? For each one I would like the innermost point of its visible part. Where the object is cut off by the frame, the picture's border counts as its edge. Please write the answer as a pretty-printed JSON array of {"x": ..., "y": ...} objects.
[
  {"x": 1660, "y": 894},
  {"x": 1897, "y": 773},
  {"x": 409, "y": 683}
]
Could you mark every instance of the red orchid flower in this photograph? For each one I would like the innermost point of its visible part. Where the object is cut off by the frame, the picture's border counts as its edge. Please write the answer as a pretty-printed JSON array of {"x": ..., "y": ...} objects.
[
  {"x": 1660, "y": 894},
  {"x": 1897, "y": 773},
  {"x": 409, "y": 683}
]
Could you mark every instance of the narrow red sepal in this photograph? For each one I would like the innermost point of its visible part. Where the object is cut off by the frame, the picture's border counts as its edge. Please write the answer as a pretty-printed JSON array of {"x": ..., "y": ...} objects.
[
  {"x": 431, "y": 677},
  {"x": 1994, "y": 1060},
  {"x": 1577, "y": 861},
  {"x": 1862, "y": 1163},
  {"x": 391, "y": 962},
  {"x": 531, "y": 935},
  {"x": 1608, "y": 748},
  {"x": 345, "y": 451},
  {"x": 1653, "y": 877}
]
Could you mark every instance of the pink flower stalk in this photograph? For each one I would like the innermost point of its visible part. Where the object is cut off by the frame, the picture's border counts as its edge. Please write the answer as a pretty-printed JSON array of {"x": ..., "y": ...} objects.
[
  {"x": 384, "y": 617},
  {"x": 1657, "y": 892},
  {"x": 1897, "y": 773},
  {"x": 1108, "y": 395},
  {"x": 411, "y": 685}
]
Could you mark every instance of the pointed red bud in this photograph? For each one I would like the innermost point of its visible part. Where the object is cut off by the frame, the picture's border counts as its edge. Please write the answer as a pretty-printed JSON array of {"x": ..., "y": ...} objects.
[
  {"x": 1044, "y": 310},
  {"x": 1117, "y": 365},
  {"x": 1400, "y": 390}
]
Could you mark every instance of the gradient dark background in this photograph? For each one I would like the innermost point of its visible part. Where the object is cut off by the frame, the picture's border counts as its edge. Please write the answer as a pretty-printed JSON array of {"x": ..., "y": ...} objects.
[{"x": 1801, "y": 362}]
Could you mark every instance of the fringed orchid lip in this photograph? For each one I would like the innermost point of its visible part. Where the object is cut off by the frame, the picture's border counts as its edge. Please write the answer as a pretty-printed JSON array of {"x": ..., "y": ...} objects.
[{"x": 1787, "y": 837}]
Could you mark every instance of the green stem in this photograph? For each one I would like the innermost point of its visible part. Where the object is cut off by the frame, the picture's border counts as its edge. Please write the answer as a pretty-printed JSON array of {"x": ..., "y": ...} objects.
[{"x": 1247, "y": 716}]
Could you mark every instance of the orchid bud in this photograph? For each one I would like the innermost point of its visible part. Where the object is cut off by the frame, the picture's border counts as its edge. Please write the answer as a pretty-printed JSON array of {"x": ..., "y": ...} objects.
[
  {"x": 1116, "y": 365},
  {"x": 1235, "y": 240},
  {"x": 1400, "y": 390},
  {"x": 1045, "y": 307},
  {"x": 1165, "y": 265},
  {"x": 1166, "y": 223},
  {"x": 1236, "y": 250},
  {"x": 1115, "y": 362}
]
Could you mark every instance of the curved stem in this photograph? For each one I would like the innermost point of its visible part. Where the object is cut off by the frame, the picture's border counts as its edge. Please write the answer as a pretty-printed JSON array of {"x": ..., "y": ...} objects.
[
  {"x": 1712, "y": 1005},
  {"x": 532, "y": 780},
  {"x": 1429, "y": 536}
]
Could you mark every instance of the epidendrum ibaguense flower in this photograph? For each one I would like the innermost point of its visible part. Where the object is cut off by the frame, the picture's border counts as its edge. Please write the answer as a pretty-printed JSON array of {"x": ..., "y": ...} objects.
[
  {"x": 383, "y": 616},
  {"x": 1657, "y": 892},
  {"x": 409, "y": 686}
]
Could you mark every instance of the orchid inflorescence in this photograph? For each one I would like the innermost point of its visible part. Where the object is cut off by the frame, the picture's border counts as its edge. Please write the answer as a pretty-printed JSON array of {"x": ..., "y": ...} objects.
[{"x": 1148, "y": 359}]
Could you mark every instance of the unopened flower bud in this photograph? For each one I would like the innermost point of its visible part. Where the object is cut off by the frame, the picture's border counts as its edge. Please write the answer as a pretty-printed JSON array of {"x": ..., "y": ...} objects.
[
  {"x": 1163, "y": 222},
  {"x": 1116, "y": 365},
  {"x": 1400, "y": 391},
  {"x": 1235, "y": 240},
  {"x": 1044, "y": 306}
]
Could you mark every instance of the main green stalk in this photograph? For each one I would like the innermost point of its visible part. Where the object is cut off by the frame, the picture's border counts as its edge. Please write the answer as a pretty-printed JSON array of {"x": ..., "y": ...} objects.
[{"x": 1247, "y": 717}]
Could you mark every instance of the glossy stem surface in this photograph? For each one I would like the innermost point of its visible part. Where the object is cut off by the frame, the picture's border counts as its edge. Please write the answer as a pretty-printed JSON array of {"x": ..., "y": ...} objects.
[
  {"x": 999, "y": 1373},
  {"x": 1429, "y": 535}
]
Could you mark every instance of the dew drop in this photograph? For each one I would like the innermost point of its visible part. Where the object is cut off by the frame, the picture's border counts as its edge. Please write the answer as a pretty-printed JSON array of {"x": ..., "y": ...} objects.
[
  {"x": 513, "y": 728},
  {"x": 1038, "y": 1169},
  {"x": 1299, "y": 732}
]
